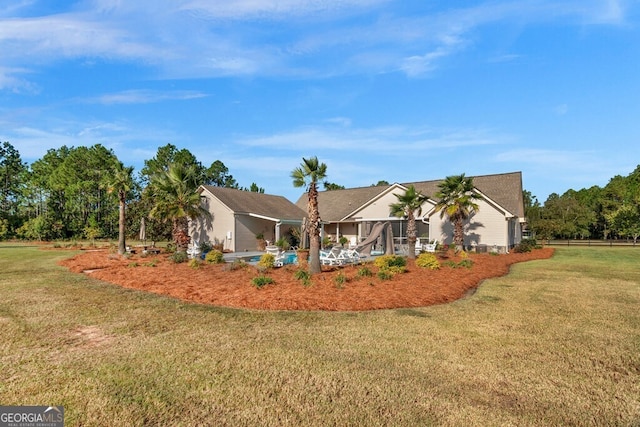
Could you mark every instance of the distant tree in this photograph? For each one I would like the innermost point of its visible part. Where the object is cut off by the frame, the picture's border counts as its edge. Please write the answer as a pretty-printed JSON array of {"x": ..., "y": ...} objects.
[
  {"x": 121, "y": 183},
  {"x": 626, "y": 221},
  {"x": 457, "y": 200},
  {"x": 255, "y": 189},
  {"x": 310, "y": 172},
  {"x": 13, "y": 176},
  {"x": 380, "y": 183},
  {"x": 218, "y": 175},
  {"x": 177, "y": 200},
  {"x": 409, "y": 205},
  {"x": 331, "y": 186}
]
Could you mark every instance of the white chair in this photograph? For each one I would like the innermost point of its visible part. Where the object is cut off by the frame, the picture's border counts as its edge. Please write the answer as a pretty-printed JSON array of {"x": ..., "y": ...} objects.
[
  {"x": 194, "y": 249},
  {"x": 419, "y": 246},
  {"x": 430, "y": 247},
  {"x": 353, "y": 242},
  {"x": 278, "y": 255},
  {"x": 331, "y": 257}
]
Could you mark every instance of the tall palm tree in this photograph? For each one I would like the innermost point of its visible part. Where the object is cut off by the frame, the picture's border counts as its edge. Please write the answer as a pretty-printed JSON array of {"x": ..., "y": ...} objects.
[
  {"x": 176, "y": 199},
  {"x": 121, "y": 182},
  {"x": 457, "y": 200},
  {"x": 409, "y": 205},
  {"x": 308, "y": 174}
]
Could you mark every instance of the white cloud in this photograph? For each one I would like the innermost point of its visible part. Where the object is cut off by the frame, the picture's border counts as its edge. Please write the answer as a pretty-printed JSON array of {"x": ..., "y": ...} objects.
[{"x": 141, "y": 96}]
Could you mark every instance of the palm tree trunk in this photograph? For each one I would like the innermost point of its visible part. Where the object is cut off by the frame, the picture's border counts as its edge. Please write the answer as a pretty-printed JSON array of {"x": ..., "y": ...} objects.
[
  {"x": 458, "y": 234},
  {"x": 411, "y": 235},
  {"x": 181, "y": 233},
  {"x": 314, "y": 231},
  {"x": 122, "y": 245}
]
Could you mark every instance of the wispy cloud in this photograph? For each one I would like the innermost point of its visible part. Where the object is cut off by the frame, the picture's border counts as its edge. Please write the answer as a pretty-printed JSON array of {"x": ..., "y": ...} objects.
[
  {"x": 142, "y": 96},
  {"x": 295, "y": 37}
]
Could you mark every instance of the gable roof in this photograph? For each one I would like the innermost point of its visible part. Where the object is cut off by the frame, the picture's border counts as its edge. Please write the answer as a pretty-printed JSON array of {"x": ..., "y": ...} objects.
[
  {"x": 335, "y": 205},
  {"x": 505, "y": 189},
  {"x": 248, "y": 202}
]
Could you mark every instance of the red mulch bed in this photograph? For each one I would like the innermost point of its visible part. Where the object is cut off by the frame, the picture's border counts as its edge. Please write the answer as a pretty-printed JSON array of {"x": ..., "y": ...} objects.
[{"x": 216, "y": 285}]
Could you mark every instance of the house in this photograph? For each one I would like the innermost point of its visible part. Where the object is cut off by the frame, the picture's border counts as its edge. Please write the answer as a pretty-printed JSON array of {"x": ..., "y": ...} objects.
[
  {"x": 497, "y": 224},
  {"x": 238, "y": 216}
]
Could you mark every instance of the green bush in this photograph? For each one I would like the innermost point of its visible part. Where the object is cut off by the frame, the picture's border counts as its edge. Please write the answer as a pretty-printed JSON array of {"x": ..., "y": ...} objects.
[
  {"x": 194, "y": 263},
  {"x": 385, "y": 275},
  {"x": 340, "y": 280},
  {"x": 261, "y": 281},
  {"x": 525, "y": 245},
  {"x": 364, "y": 272},
  {"x": 428, "y": 260},
  {"x": 303, "y": 276},
  {"x": 179, "y": 257},
  {"x": 385, "y": 262},
  {"x": 467, "y": 263},
  {"x": 171, "y": 247},
  {"x": 214, "y": 257},
  {"x": 266, "y": 261}
]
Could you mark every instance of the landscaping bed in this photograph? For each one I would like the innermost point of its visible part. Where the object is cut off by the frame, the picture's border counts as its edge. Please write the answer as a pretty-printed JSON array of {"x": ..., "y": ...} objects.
[{"x": 335, "y": 289}]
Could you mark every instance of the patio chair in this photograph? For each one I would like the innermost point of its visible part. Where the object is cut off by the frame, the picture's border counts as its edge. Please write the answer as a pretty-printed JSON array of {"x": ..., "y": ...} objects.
[
  {"x": 331, "y": 257},
  {"x": 349, "y": 256},
  {"x": 278, "y": 255},
  {"x": 194, "y": 249},
  {"x": 430, "y": 247}
]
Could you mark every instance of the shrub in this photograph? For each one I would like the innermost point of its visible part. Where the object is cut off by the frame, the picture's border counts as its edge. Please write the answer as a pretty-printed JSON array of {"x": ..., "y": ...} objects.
[
  {"x": 387, "y": 261},
  {"x": 467, "y": 263},
  {"x": 266, "y": 261},
  {"x": 205, "y": 247},
  {"x": 214, "y": 257},
  {"x": 151, "y": 263},
  {"x": 364, "y": 272},
  {"x": 340, "y": 279},
  {"x": 179, "y": 257},
  {"x": 463, "y": 254},
  {"x": 132, "y": 264},
  {"x": 428, "y": 260},
  {"x": 385, "y": 274},
  {"x": 303, "y": 276},
  {"x": 525, "y": 245},
  {"x": 237, "y": 264},
  {"x": 194, "y": 263},
  {"x": 261, "y": 281},
  {"x": 171, "y": 247}
]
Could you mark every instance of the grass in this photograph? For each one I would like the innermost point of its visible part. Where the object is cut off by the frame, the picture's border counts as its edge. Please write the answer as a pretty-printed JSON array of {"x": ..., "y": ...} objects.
[{"x": 556, "y": 342}]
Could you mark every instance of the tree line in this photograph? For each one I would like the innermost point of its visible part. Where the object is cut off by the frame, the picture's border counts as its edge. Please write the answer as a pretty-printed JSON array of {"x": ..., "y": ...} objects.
[
  {"x": 609, "y": 212},
  {"x": 80, "y": 192}
]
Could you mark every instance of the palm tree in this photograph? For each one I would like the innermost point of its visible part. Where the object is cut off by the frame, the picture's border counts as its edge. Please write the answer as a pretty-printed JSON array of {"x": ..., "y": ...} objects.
[
  {"x": 308, "y": 175},
  {"x": 409, "y": 205},
  {"x": 121, "y": 182},
  {"x": 457, "y": 200},
  {"x": 176, "y": 199}
]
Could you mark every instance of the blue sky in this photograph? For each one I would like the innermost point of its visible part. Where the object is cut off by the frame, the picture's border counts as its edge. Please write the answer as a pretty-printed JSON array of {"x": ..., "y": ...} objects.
[{"x": 395, "y": 90}]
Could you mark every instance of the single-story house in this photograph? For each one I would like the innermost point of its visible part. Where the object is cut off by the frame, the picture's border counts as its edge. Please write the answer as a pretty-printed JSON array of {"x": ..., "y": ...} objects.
[
  {"x": 238, "y": 217},
  {"x": 497, "y": 225}
]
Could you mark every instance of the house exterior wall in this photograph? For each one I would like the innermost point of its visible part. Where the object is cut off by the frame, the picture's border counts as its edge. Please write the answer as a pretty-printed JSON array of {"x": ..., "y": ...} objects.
[
  {"x": 378, "y": 209},
  {"x": 488, "y": 227},
  {"x": 214, "y": 229},
  {"x": 247, "y": 227}
]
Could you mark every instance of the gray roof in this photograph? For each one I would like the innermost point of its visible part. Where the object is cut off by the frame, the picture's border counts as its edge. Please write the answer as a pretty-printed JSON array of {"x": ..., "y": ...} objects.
[
  {"x": 335, "y": 205},
  {"x": 504, "y": 189},
  {"x": 247, "y": 202}
]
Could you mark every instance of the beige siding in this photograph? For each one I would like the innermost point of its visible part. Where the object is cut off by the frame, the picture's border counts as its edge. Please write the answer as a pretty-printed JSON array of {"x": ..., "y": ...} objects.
[
  {"x": 378, "y": 209},
  {"x": 214, "y": 229},
  {"x": 247, "y": 227},
  {"x": 486, "y": 227}
]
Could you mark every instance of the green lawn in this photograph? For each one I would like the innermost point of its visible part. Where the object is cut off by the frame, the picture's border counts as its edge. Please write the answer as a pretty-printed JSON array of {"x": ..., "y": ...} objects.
[{"x": 556, "y": 342}]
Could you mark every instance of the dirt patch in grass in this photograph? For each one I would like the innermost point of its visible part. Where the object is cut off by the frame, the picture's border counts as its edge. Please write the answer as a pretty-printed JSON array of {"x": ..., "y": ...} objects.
[{"x": 336, "y": 289}]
